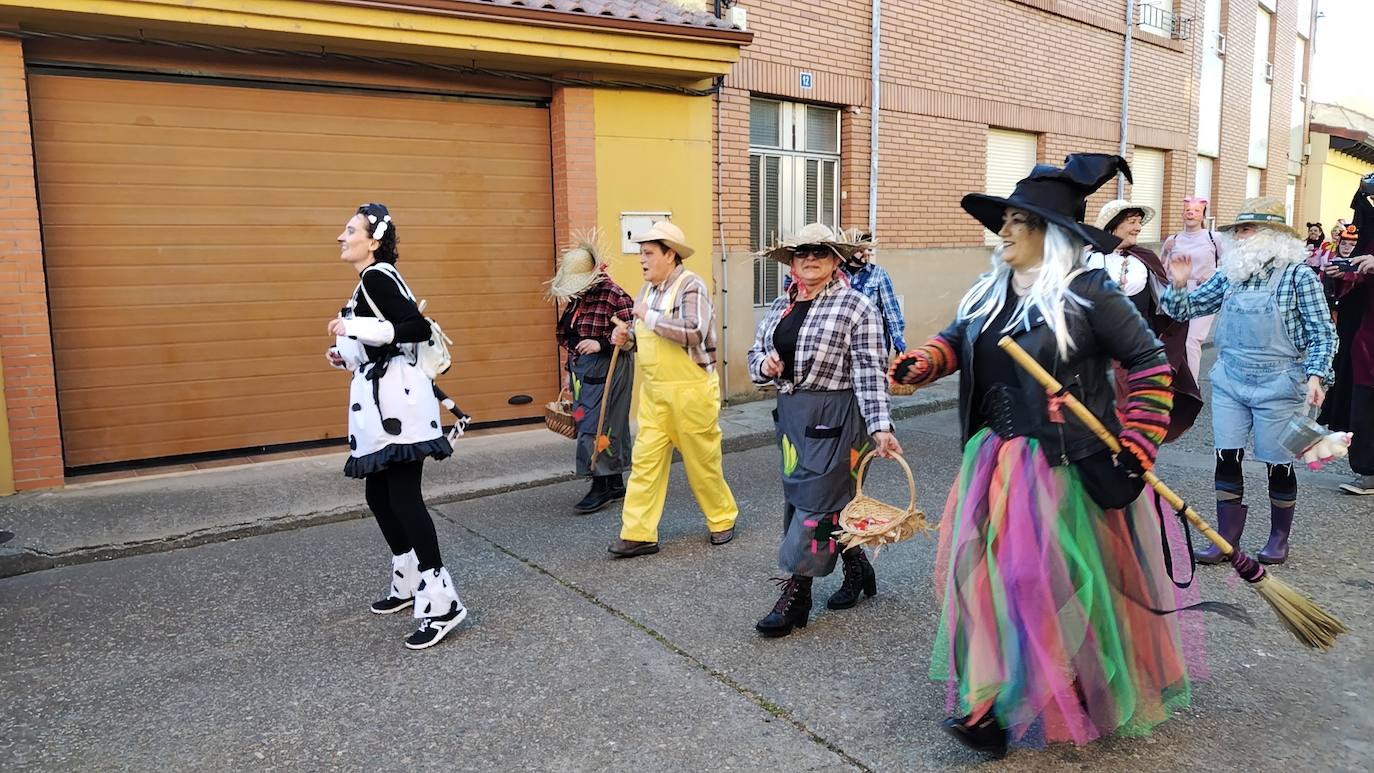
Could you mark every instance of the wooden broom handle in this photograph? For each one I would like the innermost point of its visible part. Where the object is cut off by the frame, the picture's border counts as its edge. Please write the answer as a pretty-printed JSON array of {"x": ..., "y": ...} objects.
[{"x": 1054, "y": 388}]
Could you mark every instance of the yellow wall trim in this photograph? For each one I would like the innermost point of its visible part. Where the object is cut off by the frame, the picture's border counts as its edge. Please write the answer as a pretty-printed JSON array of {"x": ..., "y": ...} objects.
[{"x": 387, "y": 30}]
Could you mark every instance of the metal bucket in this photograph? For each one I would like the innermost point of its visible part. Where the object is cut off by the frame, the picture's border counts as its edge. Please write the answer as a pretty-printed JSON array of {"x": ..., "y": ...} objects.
[{"x": 1302, "y": 432}]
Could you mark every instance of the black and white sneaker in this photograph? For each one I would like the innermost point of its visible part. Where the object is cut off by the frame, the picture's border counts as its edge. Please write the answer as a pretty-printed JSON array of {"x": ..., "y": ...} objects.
[
  {"x": 432, "y": 630},
  {"x": 391, "y": 604}
]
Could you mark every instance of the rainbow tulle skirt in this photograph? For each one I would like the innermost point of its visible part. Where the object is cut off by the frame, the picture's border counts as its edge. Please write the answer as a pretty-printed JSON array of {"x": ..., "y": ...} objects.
[{"x": 1056, "y": 611}]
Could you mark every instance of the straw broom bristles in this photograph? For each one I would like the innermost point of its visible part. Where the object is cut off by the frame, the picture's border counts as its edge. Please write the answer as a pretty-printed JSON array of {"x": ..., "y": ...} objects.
[{"x": 1309, "y": 623}]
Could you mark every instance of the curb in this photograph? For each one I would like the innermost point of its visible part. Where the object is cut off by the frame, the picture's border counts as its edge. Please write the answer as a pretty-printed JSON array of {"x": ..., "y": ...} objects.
[{"x": 17, "y": 561}]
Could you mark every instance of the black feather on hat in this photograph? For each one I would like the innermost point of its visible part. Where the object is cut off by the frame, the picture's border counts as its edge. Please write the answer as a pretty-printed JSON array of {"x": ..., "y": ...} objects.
[{"x": 1057, "y": 195}]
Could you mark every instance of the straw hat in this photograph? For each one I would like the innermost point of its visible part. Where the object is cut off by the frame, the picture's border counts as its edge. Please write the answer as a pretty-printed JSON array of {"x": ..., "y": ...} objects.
[
  {"x": 579, "y": 268},
  {"x": 669, "y": 234},
  {"x": 1265, "y": 212},
  {"x": 843, "y": 244},
  {"x": 1115, "y": 207}
]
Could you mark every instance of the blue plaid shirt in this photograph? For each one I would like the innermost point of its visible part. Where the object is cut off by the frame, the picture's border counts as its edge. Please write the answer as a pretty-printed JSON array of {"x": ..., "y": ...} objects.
[
  {"x": 876, "y": 284},
  {"x": 1300, "y": 297}
]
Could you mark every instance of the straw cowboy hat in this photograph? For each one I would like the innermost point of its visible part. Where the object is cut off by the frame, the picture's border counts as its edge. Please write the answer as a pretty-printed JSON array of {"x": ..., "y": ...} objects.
[
  {"x": 579, "y": 268},
  {"x": 1056, "y": 195},
  {"x": 1265, "y": 212},
  {"x": 669, "y": 234},
  {"x": 843, "y": 245},
  {"x": 1115, "y": 207}
]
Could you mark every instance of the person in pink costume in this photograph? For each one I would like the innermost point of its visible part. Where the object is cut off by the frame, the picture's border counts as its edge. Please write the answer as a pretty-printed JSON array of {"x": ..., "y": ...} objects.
[{"x": 1204, "y": 247}]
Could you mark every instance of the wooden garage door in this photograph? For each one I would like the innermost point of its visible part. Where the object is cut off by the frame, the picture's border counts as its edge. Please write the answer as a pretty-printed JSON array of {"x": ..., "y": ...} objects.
[{"x": 189, "y": 231}]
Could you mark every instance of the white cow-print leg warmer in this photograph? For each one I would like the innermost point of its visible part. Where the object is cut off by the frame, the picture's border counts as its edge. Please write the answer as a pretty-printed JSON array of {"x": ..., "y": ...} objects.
[{"x": 435, "y": 595}]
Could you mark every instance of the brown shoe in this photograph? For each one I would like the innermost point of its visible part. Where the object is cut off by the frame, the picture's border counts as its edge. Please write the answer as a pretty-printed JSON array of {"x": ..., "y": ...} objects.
[
  {"x": 722, "y": 537},
  {"x": 624, "y": 548}
]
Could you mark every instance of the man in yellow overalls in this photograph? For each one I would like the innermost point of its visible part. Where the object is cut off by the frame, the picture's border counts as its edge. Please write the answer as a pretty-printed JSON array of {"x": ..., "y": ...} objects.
[{"x": 679, "y": 395}]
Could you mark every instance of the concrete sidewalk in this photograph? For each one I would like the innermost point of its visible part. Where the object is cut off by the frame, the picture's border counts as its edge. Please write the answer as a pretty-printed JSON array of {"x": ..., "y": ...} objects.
[{"x": 99, "y": 521}]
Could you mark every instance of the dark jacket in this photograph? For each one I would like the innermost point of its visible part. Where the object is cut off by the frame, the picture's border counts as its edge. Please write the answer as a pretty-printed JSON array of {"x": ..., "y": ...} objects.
[{"x": 1110, "y": 328}]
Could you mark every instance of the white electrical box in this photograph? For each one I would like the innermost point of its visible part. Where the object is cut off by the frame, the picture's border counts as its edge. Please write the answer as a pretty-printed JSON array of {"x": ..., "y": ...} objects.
[
  {"x": 635, "y": 223},
  {"x": 738, "y": 17}
]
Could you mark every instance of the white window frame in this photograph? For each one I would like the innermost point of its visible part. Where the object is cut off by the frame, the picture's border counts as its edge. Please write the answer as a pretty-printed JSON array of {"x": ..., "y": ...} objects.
[
  {"x": 793, "y": 162},
  {"x": 1158, "y": 22},
  {"x": 1262, "y": 90},
  {"x": 1254, "y": 182},
  {"x": 1210, "y": 84}
]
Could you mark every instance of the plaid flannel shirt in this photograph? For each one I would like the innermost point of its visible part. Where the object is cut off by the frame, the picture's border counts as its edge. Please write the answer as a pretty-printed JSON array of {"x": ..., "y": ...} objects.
[
  {"x": 589, "y": 316},
  {"x": 689, "y": 323},
  {"x": 839, "y": 346},
  {"x": 1301, "y": 300},
  {"x": 874, "y": 282}
]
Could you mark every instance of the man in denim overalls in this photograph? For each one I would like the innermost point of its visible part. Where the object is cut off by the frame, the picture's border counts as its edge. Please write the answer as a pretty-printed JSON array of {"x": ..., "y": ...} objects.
[{"x": 1275, "y": 344}]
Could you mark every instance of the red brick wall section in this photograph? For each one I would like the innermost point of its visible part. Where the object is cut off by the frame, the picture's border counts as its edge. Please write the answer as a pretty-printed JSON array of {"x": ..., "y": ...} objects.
[
  {"x": 25, "y": 342},
  {"x": 573, "y": 126},
  {"x": 734, "y": 152}
]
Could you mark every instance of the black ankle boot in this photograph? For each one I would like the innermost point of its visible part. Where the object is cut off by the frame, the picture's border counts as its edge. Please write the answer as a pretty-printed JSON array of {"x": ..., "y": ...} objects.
[
  {"x": 1230, "y": 525},
  {"x": 617, "y": 486},
  {"x": 986, "y": 735},
  {"x": 793, "y": 609},
  {"x": 859, "y": 577},
  {"x": 597, "y": 498}
]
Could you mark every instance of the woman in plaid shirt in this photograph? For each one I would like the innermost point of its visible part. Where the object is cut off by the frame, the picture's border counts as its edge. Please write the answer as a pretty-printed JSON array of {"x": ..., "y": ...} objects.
[
  {"x": 822, "y": 345},
  {"x": 592, "y": 303}
]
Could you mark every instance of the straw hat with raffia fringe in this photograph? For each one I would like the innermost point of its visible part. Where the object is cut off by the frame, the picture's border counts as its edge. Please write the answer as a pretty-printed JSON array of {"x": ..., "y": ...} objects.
[
  {"x": 843, "y": 244},
  {"x": 1265, "y": 212},
  {"x": 578, "y": 269}
]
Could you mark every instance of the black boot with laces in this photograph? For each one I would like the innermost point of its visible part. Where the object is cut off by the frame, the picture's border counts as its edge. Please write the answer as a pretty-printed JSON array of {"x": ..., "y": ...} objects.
[
  {"x": 793, "y": 609},
  {"x": 859, "y": 577}
]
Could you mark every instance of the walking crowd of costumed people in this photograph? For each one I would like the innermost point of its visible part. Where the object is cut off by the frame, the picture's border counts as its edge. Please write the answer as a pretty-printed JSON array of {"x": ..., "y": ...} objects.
[{"x": 1077, "y": 353}]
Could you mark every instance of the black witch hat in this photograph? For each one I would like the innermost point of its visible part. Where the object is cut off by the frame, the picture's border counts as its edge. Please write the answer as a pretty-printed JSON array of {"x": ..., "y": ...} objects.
[{"x": 1059, "y": 196}]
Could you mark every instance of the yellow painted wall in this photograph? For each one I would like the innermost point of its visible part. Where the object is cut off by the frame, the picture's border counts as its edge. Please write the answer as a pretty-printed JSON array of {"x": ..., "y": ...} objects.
[
  {"x": 1340, "y": 179},
  {"x": 1334, "y": 178},
  {"x": 653, "y": 154},
  {"x": 6, "y": 460}
]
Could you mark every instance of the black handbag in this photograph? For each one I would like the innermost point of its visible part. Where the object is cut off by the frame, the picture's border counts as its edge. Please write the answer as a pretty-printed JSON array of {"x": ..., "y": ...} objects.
[{"x": 1111, "y": 485}]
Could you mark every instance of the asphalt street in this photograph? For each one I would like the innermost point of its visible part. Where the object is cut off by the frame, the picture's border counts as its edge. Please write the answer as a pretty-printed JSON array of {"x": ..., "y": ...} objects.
[{"x": 259, "y": 653}]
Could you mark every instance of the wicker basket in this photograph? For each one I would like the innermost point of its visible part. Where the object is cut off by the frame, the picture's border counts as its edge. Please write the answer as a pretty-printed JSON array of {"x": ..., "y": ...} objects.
[
  {"x": 866, "y": 522},
  {"x": 558, "y": 416},
  {"x": 899, "y": 389}
]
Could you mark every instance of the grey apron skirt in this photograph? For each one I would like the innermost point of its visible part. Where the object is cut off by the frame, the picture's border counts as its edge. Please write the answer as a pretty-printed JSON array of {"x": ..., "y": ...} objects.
[
  {"x": 587, "y": 384},
  {"x": 821, "y": 434}
]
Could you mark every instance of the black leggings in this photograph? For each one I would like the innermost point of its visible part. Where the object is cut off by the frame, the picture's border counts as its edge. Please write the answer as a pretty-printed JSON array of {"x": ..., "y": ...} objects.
[
  {"x": 1230, "y": 481},
  {"x": 394, "y": 496}
]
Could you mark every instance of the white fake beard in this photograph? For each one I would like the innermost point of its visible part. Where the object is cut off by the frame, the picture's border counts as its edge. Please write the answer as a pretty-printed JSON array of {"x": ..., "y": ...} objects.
[{"x": 1243, "y": 258}]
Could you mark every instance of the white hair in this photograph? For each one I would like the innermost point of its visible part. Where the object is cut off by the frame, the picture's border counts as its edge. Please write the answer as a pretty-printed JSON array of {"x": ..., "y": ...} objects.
[
  {"x": 1243, "y": 258},
  {"x": 1063, "y": 260}
]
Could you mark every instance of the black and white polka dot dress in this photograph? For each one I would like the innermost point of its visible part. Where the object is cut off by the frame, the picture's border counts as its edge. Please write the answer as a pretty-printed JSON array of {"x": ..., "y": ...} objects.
[{"x": 393, "y": 413}]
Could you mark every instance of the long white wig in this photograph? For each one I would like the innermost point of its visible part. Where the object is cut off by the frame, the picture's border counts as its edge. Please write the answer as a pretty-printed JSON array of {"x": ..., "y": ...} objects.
[
  {"x": 1063, "y": 260},
  {"x": 1243, "y": 258}
]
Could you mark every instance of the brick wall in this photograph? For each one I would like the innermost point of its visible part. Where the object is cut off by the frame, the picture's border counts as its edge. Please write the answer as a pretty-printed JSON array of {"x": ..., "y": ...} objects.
[
  {"x": 572, "y": 119},
  {"x": 25, "y": 342},
  {"x": 1052, "y": 67}
]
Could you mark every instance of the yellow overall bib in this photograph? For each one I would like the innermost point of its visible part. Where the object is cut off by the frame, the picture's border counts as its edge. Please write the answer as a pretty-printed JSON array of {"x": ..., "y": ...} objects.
[{"x": 679, "y": 405}]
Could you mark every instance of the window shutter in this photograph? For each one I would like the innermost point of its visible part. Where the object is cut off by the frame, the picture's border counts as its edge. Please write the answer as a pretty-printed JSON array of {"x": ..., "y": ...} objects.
[
  {"x": 1147, "y": 169},
  {"x": 765, "y": 123},
  {"x": 1202, "y": 180},
  {"x": 1011, "y": 156},
  {"x": 1252, "y": 183}
]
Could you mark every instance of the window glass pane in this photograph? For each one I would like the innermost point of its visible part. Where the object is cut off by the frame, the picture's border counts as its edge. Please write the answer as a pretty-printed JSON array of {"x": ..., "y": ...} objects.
[
  {"x": 811, "y": 212},
  {"x": 829, "y": 212},
  {"x": 764, "y": 123},
  {"x": 822, "y": 130},
  {"x": 772, "y": 204},
  {"x": 755, "y": 204}
]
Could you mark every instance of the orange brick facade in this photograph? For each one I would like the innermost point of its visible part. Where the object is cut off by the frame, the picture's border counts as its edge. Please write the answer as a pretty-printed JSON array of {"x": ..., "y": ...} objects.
[
  {"x": 572, "y": 122},
  {"x": 25, "y": 341},
  {"x": 951, "y": 69}
]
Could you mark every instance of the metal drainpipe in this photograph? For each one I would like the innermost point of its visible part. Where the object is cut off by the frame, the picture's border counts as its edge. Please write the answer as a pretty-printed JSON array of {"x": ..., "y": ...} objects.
[
  {"x": 724, "y": 260},
  {"x": 875, "y": 75},
  {"x": 1126, "y": 93}
]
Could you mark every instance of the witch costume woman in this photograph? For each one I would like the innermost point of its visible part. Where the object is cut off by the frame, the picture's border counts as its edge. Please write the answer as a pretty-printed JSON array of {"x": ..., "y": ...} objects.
[
  {"x": 1050, "y": 570},
  {"x": 591, "y": 302},
  {"x": 393, "y": 422},
  {"x": 822, "y": 346}
]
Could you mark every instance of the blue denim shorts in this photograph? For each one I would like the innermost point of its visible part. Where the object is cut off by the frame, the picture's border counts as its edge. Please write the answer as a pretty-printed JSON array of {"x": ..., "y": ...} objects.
[{"x": 1259, "y": 397}]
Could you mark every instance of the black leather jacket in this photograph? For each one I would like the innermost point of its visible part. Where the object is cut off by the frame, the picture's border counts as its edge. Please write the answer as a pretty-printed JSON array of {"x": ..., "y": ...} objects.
[{"x": 1109, "y": 329}]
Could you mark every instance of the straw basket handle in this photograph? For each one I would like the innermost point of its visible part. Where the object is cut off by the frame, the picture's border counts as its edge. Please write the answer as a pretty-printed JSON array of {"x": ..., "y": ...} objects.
[{"x": 910, "y": 480}]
